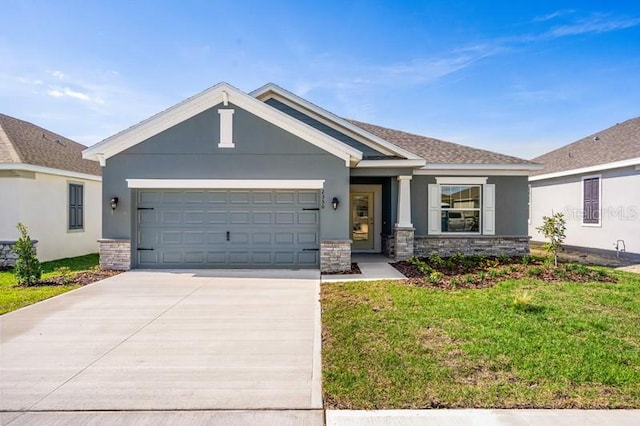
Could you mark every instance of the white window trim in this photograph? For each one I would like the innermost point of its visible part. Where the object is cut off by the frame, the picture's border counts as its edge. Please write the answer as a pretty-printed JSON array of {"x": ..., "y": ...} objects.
[
  {"x": 487, "y": 206},
  {"x": 224, "y": 184},
  {"x": 591, "y": 225},
  {"x": 68, "y": 206},
  {"x": 530, "y": 200},
  {"x": 449, "y": 180}
]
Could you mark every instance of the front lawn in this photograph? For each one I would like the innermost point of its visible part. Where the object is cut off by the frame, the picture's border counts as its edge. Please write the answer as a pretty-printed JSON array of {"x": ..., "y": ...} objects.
[
  {"x": 521, "y": 343},
  {"x": 82, "y": 270}
]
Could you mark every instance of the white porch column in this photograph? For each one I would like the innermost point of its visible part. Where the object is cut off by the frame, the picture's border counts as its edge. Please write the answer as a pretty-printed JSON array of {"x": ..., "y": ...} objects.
[{"x": 404, "y": 202}]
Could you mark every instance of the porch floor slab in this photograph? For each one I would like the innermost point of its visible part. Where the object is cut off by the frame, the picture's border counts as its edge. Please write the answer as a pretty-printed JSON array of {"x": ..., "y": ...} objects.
[{"x": 373, "y": 267}]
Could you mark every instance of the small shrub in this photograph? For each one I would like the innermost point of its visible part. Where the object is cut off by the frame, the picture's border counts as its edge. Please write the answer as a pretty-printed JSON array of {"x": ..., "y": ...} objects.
[
  {"x": 468, "y": 279},
  {"x": 494, "y": 273},
  {"x": 27, "y": 268},
  {"x": 504, "y": 259},
  {"x": 526, "y": 260},
  {"x": 548, "y": 263},
  {"x": 435, "y": 260},
  {"x": 482, "y": 275},
  {"x": 553, "y": 229},
  {"x": 455, "y": 282},
  {"x": 65, "y": 274},
  {"x": 513, "y": 268},
  {"x": 435, "y": 277},
  {"x": 458, "y": 258},
  {"x": 534, "y": 271},
  {"x": 422, "y": 266}
]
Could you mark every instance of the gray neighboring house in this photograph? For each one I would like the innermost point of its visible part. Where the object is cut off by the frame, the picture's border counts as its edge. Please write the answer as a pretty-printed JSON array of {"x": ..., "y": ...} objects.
[
  {"x": 595, "y": 182},
  {"x": 266, "y": 179}
]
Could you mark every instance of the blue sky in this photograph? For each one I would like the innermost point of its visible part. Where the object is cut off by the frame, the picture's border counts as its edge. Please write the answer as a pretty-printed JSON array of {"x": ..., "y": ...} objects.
[{"x": 520, "y": 78}]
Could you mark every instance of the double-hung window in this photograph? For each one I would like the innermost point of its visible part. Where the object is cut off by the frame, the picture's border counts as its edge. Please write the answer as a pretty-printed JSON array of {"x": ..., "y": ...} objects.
[
  {"x": 76, "y": 207},
  {"x": 461, "y": 205}
]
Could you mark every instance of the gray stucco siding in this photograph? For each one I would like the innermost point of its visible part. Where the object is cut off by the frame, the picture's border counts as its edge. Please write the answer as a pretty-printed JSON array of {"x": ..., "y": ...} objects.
[
  {"x": 366, "y": 150},
  {"x": 511, "y": 204},
  {"x": 190, "y": 150}
]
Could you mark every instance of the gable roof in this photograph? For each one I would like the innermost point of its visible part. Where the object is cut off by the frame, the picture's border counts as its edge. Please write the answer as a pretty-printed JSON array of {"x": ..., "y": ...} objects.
[
  {"x": 613, "y": 145},
  {"x": 24, "y": 144},
  {"x": 220, "y": 93},
  {"x": 436, "y": 151},
  {"x": 271, "y": 90}
]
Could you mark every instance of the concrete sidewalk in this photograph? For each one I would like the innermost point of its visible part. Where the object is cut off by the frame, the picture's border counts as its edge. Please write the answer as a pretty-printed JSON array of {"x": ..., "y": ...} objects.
[
  {"x": 483, "y": 417},
  {"x": 373, "y": 267}
]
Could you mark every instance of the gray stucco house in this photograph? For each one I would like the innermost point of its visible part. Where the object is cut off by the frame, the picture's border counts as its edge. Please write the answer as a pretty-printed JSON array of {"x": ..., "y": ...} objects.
[{"x": 266, "y": 179}]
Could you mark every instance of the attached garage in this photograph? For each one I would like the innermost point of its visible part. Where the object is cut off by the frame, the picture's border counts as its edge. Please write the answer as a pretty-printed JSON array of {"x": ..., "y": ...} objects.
[{"x": 227, "y": 228}]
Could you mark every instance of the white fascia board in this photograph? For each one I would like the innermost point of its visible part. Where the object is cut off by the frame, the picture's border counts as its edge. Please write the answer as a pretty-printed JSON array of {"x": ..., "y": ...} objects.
[
  {"x": 471, "y": 172},
  {"x": 448, "y": 166},
  {"x": 224, "y": 184},
  {"x": 389, "y": 163},
  {"x": 455, "y": 180},
  {"x": 271, "y": 90},
  {"x": 50, "y": 171},
  {"x": 614, "y": 165},
  {"x": 208, "y": 99}
]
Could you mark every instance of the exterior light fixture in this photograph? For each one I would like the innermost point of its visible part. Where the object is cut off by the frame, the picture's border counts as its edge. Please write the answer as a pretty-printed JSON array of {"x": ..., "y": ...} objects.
[
  {"x": 114, "y": 203},
  {"x": 334, "y": 203}
]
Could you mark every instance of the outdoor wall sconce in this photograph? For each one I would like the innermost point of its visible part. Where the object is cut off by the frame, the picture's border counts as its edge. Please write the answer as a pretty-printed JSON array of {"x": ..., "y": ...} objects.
[
  {"x": 114, "y": 203},
  {"x": 334, "y": 203}
]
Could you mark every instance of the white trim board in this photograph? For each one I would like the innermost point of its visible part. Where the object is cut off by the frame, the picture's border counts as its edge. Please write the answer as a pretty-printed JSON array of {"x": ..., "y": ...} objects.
[
  {"x": 50, "y": 171},
  {"x": 452, "y": 180},
  {"x": 600, "y": 167},
  {"x": 224, "y": 184},
  {"x": 206, "y": 100}
]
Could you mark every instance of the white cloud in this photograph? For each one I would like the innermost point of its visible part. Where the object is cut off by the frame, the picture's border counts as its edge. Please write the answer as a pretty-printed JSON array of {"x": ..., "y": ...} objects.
[
  {"x": 67, "y": 92},
  {"x": 593, "y": 25},
  {"x": 552, "y": 15},
  {"x": 58, "y": 74}
]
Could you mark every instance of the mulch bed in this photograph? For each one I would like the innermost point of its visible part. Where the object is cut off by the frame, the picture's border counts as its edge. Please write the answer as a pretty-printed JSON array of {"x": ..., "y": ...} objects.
[
  {"x": 493, "y": 271},
  {"x": 82, "y": 278},
  {"x": 354, "y": 270}
]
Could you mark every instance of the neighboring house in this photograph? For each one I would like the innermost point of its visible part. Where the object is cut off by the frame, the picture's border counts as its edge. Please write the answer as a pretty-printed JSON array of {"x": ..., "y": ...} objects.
[
  {"x": 227, "y": 179},
  {"x": 47, "y": 185},
  {"x": 595, "y": 182}
]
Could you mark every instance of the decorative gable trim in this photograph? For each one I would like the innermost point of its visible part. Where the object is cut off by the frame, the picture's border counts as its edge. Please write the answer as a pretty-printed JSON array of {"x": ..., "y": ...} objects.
[
  {"x": 208, "y": 99},
  {"x": 273, "y": 91}
]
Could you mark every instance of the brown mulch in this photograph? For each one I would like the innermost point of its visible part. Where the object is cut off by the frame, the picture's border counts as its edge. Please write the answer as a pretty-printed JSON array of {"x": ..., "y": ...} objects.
[
  {"x": 354, "y": 270},
  {"x": 81, "y": 279},
  {"x": 464, "y": 276}
]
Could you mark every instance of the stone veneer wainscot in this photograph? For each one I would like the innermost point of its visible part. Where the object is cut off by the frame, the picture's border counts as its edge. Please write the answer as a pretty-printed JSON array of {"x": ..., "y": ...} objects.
[
  {"x": 8, "y": 256},
  {"x": 115, "y": 254},
  {"x": 335, "y": 255}
]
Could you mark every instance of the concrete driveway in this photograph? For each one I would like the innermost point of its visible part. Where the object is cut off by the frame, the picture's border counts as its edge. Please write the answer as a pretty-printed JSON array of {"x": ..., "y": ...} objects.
[{"x": 167, "y": 340}]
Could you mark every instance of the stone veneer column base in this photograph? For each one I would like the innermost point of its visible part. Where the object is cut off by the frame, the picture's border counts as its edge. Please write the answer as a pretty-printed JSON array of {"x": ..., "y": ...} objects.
[
  {"x": 403, "y": 243},
  {"x": 8, "y": 256},
  {"x": 335, "y": 255},
  {"x": 115, "y": 254},
  {"x": 487, "y": 245}
]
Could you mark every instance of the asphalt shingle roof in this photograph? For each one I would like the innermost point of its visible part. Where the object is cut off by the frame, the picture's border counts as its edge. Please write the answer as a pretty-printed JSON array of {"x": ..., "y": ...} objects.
[
  {"x": 22, "y": 142},
  {"x": 617, "y": 143},
  {"x": 436, "y": 151}
]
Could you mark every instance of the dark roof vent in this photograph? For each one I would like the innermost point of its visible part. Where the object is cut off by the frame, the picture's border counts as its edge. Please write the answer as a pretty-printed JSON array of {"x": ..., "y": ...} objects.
[
  {"x": 59, "y": 142},
  {"x": 596, "y": 138}
]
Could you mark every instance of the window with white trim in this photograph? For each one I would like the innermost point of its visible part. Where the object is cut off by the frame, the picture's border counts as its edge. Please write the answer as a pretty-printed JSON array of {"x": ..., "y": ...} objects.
[
  {"x": 461, "y": 206},
  {"x": 76, "y": 207},
  {"x": 591, "y": 200}
]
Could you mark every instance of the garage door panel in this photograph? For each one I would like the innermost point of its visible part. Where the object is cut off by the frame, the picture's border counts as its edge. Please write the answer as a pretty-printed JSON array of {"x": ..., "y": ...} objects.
[
  {"x": 266, "y": 228},
  {"x": 171, "y": 217},
  {"x": 307, "y": 218},
  {"x": 308, "y": 197},
  {"x": 285, "y": 218}
]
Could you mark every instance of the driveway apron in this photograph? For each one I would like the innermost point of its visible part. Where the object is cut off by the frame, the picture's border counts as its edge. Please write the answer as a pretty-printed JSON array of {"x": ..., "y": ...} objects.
[{"x": 167, "y": 340}]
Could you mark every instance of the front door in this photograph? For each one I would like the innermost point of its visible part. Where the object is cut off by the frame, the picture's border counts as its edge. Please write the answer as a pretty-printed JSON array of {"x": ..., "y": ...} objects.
[{"x": 362, "y": 220}]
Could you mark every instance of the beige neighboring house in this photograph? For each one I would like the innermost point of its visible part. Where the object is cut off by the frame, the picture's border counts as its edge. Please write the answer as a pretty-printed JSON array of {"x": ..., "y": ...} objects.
[
  {"x": 595, "y": 182},
  {"x": 47, "y": 185}
]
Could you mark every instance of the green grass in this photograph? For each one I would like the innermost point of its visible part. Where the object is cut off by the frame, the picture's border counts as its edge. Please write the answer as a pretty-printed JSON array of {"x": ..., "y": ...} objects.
[
  {"x": 13, "y": 297},
  {"x": 521, "y": 343}
]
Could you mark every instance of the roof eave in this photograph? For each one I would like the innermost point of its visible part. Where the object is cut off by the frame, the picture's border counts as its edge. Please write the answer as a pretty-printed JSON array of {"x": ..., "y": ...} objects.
[{"x": 590, "y": 169}]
